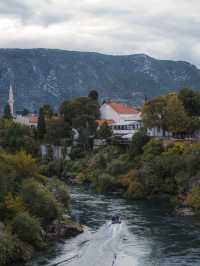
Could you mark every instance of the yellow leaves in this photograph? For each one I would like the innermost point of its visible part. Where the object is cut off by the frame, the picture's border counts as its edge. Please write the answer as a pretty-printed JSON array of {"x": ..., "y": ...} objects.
[
  {"x": 135, "y": 189},
  {"x": 13, "y": 204}
]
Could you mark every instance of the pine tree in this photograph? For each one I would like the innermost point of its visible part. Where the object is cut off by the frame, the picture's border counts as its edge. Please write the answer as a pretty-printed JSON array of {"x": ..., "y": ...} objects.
[
  {"x": 41, "y": 124},
  {"x": 7, "y": 112},
  {"x": 93, "y": 94}
]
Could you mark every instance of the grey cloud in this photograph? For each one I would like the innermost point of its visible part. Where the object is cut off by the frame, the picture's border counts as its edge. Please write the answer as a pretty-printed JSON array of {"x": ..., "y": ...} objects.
[{"x": 164, "y": 29}]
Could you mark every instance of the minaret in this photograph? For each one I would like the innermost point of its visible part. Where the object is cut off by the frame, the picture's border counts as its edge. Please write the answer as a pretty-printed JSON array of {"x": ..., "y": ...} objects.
[{"x": 11, "y": 100}]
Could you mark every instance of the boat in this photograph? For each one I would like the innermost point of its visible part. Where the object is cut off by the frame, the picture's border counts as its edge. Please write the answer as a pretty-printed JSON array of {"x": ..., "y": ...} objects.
[{"x": 116, "y": 219}]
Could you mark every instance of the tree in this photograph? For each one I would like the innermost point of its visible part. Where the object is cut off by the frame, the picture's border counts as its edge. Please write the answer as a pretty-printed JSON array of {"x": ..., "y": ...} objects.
[
  {"x": 93, "y": 94},
  {"x": 154, "y": 113},
  {"x": 104, "y": 132},
  {"x": 41, "y": 124},
  {"x": 58, "y": 130},
  {"x": 41, "y": 201},
  {"x": 190, "y": 100},
  {"x": 25, "y": 112},
  {"x": 27, "y": 228},
  {"x": 176, "y": 119},
  {"x": 7, "y": 112},
  {"x": 139, "y": 140},
  {"x": 47, "y": 111}
]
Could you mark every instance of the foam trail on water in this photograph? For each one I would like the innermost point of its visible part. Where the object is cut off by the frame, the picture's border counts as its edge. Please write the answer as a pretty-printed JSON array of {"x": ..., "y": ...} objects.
[{"x": 104, "y": 248}]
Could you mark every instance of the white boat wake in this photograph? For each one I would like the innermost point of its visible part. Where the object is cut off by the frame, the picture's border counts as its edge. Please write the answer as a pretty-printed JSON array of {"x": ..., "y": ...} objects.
[{"x": 106, "y": 247}]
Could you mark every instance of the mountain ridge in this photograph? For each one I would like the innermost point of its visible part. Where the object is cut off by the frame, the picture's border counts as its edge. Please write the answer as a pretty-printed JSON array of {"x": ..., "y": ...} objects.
[{"x": 42, "y": 75}]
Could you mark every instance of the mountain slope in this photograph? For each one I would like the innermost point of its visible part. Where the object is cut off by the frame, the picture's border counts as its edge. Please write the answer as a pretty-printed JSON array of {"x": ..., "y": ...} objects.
[{"x": 50, "y": 76}]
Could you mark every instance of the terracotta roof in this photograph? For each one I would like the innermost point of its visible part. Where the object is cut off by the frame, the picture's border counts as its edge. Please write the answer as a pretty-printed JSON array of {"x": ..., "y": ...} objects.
[
  {"x": 102, "y": 121},
  {"x": 33, "y": 120},
  {"x": 123, "y": 108}
]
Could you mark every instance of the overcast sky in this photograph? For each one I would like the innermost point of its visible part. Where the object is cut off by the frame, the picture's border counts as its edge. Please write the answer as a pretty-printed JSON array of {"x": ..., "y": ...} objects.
[{"x": 166, "y": 29}]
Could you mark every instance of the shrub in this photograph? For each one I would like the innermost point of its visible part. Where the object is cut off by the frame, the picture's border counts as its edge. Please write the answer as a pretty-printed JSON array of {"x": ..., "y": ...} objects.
[
  {"x": 139, "y": 139},
  {"x": 116, "y": 167},
  {"x": 60, "y": 191},
  {"x": 13, "y": 205},
  {"x": 105, "y": 182},
  {"x": 176, "y": 149},
  {"x": 40, "y": 201},
  {"x": 193, "y": 199},
  {"x": 135, "y": 189},
  {"x": 152, "y": 148},
  {"x": 7, "y": 248},
  {"x": 27, "y": 228}
]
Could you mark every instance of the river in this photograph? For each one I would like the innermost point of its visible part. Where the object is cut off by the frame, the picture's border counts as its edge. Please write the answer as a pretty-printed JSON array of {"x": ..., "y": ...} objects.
[{"x": 150, "y": 235}]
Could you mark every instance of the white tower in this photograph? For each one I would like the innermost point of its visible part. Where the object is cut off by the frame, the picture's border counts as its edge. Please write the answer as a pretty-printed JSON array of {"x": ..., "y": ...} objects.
[{"x": 11, "y": 100}]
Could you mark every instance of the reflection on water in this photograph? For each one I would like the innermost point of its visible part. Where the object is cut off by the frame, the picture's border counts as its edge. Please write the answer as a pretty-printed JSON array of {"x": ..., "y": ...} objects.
[{"x": 150, "y": 235}]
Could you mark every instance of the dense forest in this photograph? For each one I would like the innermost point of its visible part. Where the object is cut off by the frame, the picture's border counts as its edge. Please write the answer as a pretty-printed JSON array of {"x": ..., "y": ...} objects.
[{"x": 34, "y": 197}]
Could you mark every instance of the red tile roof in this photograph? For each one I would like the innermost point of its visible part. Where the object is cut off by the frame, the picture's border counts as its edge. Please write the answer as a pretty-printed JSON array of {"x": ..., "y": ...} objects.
[
  {"x": 33, "y": 120},
  {"x": 102, "y": 121},
  {"x": 123, "y": 108}
]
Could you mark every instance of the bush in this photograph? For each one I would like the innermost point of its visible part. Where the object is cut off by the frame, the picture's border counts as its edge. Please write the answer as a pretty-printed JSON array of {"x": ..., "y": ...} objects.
[
  {"x": 7, "y": 248},
  {"x": 135, "y": 189},
  {"x": 13, "y": 205},
  {"x": 152, "y": 148},
  {"x": 60, "y": 191},
  {"x": 193, "y": 199},
  {"x": 105, "y": 183},
  {"x": 116, "y": 167},
  {"x": 27, "y": 228},
  {"x": 139, "y": 139},
  {"x": 53, "y": 168},
  {"x": 40, "y": 201}
]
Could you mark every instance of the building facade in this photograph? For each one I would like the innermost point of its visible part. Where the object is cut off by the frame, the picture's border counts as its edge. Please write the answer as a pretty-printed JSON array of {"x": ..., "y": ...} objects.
[{"x": 124, "y": 120}]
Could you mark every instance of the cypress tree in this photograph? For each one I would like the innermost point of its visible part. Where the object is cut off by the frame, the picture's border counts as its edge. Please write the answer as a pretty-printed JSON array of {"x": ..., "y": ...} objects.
[
  {"x": 7, "y": 112},
  {"x": 41, "y": 124},
  {"x": 93, "y": 94}
]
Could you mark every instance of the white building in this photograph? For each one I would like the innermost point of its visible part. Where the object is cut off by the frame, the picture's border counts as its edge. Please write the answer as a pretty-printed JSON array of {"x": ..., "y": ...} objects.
[
  {"x": 124, "y": 120},
  {"x": 29, "y": 120}
]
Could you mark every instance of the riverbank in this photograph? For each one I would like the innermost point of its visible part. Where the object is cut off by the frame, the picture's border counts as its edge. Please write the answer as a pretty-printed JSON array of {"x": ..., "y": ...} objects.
[
  {"x": 150, "y": 168},
  {"x": 33, "y": 209}
]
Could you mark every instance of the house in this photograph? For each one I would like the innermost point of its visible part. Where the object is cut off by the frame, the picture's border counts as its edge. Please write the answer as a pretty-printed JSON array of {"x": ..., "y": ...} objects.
[
  {"x": 29, "y": 120},
  {"x": 124, "y": 120}
]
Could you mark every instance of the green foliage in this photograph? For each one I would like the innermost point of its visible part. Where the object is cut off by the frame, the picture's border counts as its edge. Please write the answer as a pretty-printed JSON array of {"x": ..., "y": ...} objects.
[
  {"x": 15, "y": 137},
  {"x": 41, "y": 124},
  {"x": 27, "y": 228},
  {"x": 104, "y": 131},
  {"x": 116, "y": 167},
  {"x": 13, "y": 205},
  {"x": 139, "y": 139},
  {"x": 60, "y": 191},
  {"x": 82, "y": 111},
  {"x": 193, "y": 199},
  {"x": 173, "y": 113},
  {"x": 93, "y": 94},
  {"x": 152, "y": 148},
  {"x": 190, "y": 100},
  {"x": 58, "y": 130},
  {"x": 14, "y": 169},
  {"x": 176, "y": 120},
  {"x": 40, "y": 201},
  {"x": 7, "y": 112},
  {"x": 105, "y": 183},
  {"x": 25, "y": 112},
  {"x": 154, "y": 113},
  {"x": 7, "y": 248},
  {"x": 134, "y": 188},
  {"x": 47, "y": 111}
]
